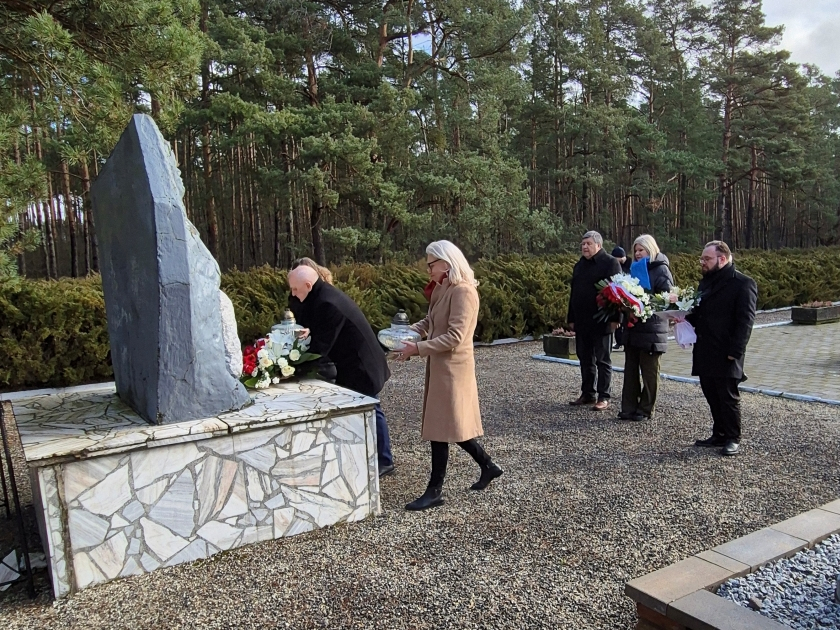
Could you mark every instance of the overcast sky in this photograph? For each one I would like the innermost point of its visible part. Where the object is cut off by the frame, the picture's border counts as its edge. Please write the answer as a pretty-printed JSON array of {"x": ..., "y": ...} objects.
[{"x": 812, "y": 30}]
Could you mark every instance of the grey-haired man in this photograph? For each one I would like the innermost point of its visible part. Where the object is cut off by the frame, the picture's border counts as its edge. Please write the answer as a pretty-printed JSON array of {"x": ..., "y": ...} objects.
[{"x": 592, "y": 339}]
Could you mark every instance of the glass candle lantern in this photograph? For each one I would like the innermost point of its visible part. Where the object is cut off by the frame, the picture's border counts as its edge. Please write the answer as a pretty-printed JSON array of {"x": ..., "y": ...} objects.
[
  {"x": 394, "y": 337},
  {"x": 287, "y": 324}
]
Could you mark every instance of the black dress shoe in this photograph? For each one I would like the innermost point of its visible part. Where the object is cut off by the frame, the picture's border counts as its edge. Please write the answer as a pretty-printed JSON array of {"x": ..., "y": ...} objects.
[
  {"x": 730, "y": 448},
  {"x": 639, "y": 417},
  {"x": 711, "y": 441},
  {"x": 488, "y": 474},
  {"x": 385, "y": 471},
  {"x": 431, "y": 498},
  {"x": 626, "y": 415}
]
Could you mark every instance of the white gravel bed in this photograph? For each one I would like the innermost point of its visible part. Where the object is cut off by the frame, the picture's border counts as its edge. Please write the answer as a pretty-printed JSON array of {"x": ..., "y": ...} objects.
[
  {"x": 587, "y": 502},
  {"x": 797, "y": 591}
]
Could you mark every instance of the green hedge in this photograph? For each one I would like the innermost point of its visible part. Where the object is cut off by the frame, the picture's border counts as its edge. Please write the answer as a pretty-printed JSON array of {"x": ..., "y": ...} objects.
[{"x": 53, "y": 333}]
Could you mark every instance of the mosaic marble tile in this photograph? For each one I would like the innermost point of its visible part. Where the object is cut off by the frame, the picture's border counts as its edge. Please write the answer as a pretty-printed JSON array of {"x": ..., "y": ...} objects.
[
  {"x": 221, "y": 535},
  {"x": 133, "y": 511},
  {"x": 162, "y": 542},
  {"x": 148, "y": 466},
  {"x": 86, "y": 529},
  {"x": 85, "y": 571},
  {"x": 178, "y": 501},
  {"x": 109, "y": 495},
  {"x": 151, "y": 493},
  {"x": 109, "y": 557},
  {"x": 175, "y": 507}
]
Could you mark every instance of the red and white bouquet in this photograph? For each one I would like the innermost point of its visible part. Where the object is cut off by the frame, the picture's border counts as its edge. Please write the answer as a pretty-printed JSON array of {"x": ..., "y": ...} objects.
[
  {"x": 622, "y": 294},
  {"x": 274, "y": 358}
]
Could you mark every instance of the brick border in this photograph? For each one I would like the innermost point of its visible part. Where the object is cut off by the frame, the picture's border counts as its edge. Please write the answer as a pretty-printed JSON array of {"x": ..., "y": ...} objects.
[{"x": 680, "y": 597}]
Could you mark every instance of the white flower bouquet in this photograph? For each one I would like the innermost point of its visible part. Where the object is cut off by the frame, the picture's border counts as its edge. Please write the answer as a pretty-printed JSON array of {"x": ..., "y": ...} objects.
[{"x": 274, "y": 358}]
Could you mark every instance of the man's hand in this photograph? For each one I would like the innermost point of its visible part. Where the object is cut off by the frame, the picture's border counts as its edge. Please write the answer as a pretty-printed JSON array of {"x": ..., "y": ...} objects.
[
  {"x": 570, "y": 326},
  {"x": 303, "y": 333},
  {"x": 731, "y": 358},
  {"x": 614, "y": 326}
]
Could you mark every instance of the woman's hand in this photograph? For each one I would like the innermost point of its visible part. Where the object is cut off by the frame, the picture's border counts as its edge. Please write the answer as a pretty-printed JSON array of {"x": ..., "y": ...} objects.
[{"x": 408, "y": 350}]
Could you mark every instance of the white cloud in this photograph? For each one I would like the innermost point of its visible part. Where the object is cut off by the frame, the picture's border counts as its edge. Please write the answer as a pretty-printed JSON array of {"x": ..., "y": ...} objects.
[{"x": 812, "y": 30}]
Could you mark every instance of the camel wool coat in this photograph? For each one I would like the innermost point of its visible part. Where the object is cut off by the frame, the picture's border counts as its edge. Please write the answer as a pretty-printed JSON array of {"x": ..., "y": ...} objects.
[{"x": 450, "y": 399}]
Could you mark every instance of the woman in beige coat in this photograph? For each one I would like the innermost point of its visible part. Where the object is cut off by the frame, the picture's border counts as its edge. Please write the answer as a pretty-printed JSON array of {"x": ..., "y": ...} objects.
[{"x": 450, "y": 399}]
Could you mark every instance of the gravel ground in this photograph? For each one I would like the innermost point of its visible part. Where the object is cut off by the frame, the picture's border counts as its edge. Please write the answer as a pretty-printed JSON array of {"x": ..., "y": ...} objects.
[
  {"x": 782, "y": 315},
  {"x": 798, "y": 591},
  {"x": 586, "y": 503}
]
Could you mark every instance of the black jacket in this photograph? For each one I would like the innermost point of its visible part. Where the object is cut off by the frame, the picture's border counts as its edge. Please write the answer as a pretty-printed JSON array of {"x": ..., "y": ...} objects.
[
  {"x": 582, "y": 305},
  {"x": 652, "y": 335},
  {"x": 340, "y": 331},
  {"x": 723, "y": 321}
]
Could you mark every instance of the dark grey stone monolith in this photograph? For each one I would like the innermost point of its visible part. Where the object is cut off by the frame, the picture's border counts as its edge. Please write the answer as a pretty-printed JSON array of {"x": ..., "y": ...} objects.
[{"x": 161, "y": 286}]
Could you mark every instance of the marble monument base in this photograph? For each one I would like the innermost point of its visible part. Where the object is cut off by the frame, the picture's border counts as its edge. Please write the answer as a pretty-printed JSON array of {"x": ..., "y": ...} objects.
[{"x": 117, "y": 497}]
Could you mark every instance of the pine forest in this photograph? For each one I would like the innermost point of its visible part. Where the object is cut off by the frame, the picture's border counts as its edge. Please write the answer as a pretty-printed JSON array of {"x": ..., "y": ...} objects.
[{"x": 361, "y": 130}]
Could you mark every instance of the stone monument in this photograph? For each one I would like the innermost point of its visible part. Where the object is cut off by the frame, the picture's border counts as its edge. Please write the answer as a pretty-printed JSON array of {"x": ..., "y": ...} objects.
[{"x": 161, "y": 286}]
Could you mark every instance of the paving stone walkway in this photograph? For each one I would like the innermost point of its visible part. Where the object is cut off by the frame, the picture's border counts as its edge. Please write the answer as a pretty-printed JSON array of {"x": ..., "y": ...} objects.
[{"x": 791, "y": 359}]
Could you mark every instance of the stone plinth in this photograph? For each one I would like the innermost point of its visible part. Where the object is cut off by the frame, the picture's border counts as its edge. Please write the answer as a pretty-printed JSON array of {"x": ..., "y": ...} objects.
[{"x": 118, "y": 497}]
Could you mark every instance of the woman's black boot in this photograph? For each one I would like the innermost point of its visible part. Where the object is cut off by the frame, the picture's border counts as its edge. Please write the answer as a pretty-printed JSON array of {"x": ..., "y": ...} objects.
[
  {"x": 431, "y": 498},
  {"x": 489, "y": 472}
]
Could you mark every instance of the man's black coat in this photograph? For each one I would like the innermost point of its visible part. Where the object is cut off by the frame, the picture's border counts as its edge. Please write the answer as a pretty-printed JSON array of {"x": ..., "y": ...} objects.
[
  {"x": 341, "y": 332},
  {"x": 723, "y": 321},
  {"x": 582, "y": 306}
]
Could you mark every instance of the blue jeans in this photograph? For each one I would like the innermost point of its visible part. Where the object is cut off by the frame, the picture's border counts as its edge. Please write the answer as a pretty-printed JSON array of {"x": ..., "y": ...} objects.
[{"x": 383, "y": 439}]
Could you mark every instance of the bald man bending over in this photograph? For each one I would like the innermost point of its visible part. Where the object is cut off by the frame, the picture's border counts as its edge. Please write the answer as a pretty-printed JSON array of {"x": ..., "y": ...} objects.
[{"x": 341, "y": 332}]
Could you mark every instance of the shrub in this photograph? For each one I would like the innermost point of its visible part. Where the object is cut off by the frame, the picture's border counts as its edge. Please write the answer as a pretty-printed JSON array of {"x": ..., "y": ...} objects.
[{"x": 54, "y": 333}]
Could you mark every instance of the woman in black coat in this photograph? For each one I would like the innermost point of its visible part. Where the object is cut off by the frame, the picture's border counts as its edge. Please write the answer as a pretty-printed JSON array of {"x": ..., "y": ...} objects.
[{"x": 645, "y": 342}]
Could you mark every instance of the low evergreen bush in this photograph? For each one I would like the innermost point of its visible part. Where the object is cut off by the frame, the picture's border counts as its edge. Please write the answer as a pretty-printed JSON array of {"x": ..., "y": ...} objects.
[{"x": 54, "y": 333}]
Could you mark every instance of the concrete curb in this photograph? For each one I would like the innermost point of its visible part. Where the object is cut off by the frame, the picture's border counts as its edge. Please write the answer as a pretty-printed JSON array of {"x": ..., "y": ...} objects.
[{"x": 694, "y": 380}]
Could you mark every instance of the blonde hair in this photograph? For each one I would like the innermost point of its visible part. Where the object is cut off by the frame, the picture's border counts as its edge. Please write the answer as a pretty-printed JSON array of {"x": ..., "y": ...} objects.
[
  {"x": 459, "y": 269},
  {"x": 323, "y": 273},
  {"x": 648, "y": 243}
]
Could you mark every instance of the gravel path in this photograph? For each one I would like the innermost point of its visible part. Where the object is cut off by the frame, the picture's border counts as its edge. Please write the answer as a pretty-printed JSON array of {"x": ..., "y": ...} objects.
[
  {"x": 797, "y": 591},
  {"x": 586, "y": 503}
]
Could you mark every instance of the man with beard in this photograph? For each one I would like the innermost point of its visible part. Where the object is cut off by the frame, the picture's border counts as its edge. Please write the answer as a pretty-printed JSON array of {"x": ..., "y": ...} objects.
[{"x": 723, "y": 321}]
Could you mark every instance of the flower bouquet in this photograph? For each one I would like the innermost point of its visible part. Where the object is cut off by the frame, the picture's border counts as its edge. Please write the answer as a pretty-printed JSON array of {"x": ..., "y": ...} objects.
[
  {"x": 275, "y": 358},
  {"x": 676, "y": 304},
  {"x": 622, "y": 294}
]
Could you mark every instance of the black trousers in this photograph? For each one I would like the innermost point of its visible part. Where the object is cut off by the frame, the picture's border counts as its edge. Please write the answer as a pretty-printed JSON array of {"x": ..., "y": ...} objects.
[
  {"x": 725, "y": 402},
  {"x": 593, "y": 350},
  {"x": 440, "y": 458}
]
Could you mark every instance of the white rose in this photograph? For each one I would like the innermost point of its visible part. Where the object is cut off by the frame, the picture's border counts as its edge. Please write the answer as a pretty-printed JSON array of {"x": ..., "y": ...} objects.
[
  {"x": 294, "y": 355},
  {"x": 287, "y": 370},
  {"x": 281, "y": 363},
  {"x": 261, "y": 353},
  {"x": 265, "y": 362}
]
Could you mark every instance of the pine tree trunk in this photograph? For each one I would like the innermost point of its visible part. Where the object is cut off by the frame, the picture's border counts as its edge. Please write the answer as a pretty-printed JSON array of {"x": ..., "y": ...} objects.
[
  {"x": 70, "y": 214},
  {"x": 91, "y": 253}
]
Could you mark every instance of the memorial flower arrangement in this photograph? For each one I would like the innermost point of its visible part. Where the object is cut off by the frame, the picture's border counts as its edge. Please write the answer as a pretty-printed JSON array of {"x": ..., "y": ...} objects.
[
  {"x": 676, "y": 299},
  {"x": 274, "y": 358},
  {"x": 622, "y": 294},
  {"x": 676, "y": 304}
]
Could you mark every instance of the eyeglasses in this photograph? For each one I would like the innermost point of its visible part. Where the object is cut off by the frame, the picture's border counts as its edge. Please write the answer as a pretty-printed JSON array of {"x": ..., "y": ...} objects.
[
  {"x": 709, "y": 258},
  {"x": 431, "y": 263}
]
